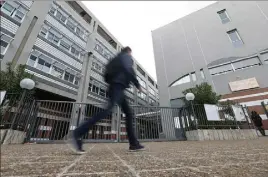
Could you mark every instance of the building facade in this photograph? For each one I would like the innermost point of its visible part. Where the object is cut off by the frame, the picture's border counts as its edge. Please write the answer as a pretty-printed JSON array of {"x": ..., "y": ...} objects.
[
  {"x": 224, "y": 44},
  {"x": 66, "y": 48},
  {"x": 54, "y": 39}
]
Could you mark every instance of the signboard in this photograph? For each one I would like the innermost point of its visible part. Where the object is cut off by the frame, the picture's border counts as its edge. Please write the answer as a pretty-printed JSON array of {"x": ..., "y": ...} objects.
[
  {"x": 244, "y": 84},
  {"x": 2, "y": 94},
  {"x": 239, "y": 114},
  {"x": 212, "y": 112}
]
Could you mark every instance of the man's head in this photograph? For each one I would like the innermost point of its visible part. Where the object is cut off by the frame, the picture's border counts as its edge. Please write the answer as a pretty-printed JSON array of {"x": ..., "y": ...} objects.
[{"x": 127, "y": 50}]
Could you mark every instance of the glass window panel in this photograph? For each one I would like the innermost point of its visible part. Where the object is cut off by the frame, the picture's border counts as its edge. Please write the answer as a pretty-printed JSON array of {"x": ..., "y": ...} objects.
[
  {"x": 9, "y": 8},
  {"x": 221, "y": 69},
  {"x": 31, "y": 61},
  {"x": 57, "y": 72},
  {"x": 52, "y": 10},
  {"x": 65, "y": 45},
  {"x": 183, "y": 80},
  {"x": 40, "y": 64},
  {"x": 66, "y": 76}
]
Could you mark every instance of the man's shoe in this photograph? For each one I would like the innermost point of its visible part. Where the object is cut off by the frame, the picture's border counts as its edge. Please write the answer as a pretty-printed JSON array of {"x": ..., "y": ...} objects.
[
  {"x": 136, "y": 148},
  {"x": 74, "y": 144}
]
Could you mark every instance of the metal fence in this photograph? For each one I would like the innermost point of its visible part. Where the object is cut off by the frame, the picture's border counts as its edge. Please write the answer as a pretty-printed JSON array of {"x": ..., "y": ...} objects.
[{"x": 51, "y": 121}]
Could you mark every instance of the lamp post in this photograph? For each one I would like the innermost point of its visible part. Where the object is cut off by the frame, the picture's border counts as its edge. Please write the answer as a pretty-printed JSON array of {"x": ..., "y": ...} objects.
[
  {"x": 190, "y": 97},
  {"x": 25, "y": 84}
]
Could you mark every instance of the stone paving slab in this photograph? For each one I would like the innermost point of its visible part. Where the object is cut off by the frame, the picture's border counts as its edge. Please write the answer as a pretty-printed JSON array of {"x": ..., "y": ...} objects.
[{"x": 241, "y": 158}]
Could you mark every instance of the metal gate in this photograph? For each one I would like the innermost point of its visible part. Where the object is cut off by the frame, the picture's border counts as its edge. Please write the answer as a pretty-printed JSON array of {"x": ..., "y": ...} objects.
[
  {"x": 54, "y": 119},
  {"x": 45, "y": 121}
]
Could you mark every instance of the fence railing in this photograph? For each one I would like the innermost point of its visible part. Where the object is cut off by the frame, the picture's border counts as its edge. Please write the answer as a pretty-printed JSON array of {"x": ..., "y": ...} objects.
[{"x": 50, "y": 121}]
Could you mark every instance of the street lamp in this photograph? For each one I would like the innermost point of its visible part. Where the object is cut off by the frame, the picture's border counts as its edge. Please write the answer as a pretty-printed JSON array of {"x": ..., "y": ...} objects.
[
  {"x": 190, "y": 97},
  {"x": 27, "y": 84}
]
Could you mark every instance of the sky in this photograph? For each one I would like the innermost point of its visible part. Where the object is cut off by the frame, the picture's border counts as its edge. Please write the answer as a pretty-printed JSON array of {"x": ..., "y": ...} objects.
[{"x": 131, "y": 22}]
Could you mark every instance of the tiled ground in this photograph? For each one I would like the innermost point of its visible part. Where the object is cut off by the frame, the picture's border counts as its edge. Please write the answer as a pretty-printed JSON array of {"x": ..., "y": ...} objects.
[{"x": 244, "y": 158}]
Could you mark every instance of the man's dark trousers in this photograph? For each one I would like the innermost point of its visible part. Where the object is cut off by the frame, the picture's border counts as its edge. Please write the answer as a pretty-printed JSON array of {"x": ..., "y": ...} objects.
[{"x": 117, "y": 96}]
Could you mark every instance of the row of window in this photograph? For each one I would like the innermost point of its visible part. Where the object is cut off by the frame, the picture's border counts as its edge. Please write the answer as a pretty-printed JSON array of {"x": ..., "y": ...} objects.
[
  {"x": 70, "y": 23},
  {"x": 60, "y": 40},
  {"x": 4, "y": 43},
  {"x": 103, "y": 50},
  {"x": 222, "y": 69},
  {"x": 50, "y": 66},
  {"x": 14, "y": 9},
  {"x": 101, "y": 90},
  {"x": 234, "y": 66}
]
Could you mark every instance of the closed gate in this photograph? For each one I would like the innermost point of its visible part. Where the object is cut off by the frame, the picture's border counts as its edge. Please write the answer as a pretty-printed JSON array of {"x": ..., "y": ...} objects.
[{"x": 51, "y": 121}]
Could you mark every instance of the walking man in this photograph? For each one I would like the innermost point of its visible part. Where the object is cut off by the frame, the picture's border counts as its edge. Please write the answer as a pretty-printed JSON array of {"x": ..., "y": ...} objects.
[{"x": 119, "y": 74}]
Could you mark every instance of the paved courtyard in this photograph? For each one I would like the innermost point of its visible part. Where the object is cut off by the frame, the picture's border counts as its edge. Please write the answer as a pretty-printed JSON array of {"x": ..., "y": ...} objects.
[{"x": 244, "y": 158}]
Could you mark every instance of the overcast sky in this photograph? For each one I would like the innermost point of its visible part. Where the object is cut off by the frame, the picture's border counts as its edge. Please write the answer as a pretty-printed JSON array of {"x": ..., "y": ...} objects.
[{"x": 131, "y": 22}]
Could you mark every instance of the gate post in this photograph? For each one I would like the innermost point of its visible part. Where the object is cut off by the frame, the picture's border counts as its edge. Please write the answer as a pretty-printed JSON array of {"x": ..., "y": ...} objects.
[{"x": 118, "y": 117}]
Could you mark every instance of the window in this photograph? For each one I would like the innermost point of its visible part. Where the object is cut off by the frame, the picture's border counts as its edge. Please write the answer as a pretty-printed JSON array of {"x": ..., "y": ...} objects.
[
  {"x": 142, "y": 83},
  {"x": 18, "y": 15},
  {"x": 76, "y": 80},
  {"x": 107, "y": 37},
  {"x": 102, "y": 91},
  {"x": 140, "y": 70},
  {"x": 79, "y": 31},
  {"x": 57, "y": 72},
  {"x": 131, "y": 89},
  {"x": 142, "y": 95},
  {"x": 69, "y": 77},
  {"x": 43, "y": 32},
  {"x": 151, "y": 101},
  {"x": 75, "y": 52},
  {"x": 193, "y": 76},
  {"x": 43, "y": 65},
  {"x": 235, "y": 38},
  {"x": 150, "y": 80},
  {"x": 32, "y": 60},
  {"x": 70, "y": 25},
  {"x": 95, "y": 89},
  {"x": 53, "y": 38},
  {"x": 61, "y": 17},
  {"x": 8, "y": 8},
  {"x": 151, "y": 91},
  {"x": 52, "y": 10},
  {"x": 221, "y": 69},
  {"x": 224, "y": 16},
  {"x": 182, "y": 80},
  {"x": 65, "y": 45},
  {"x": 242, "y": 64},
  {"x": 202, "y": 73},
  {"x": 3, "y": 45}
]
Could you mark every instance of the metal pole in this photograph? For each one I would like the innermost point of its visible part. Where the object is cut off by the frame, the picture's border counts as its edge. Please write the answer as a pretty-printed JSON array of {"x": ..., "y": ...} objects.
[
  {"x": 265, "y": 110},
  {"x": 195, "y": 119},
  {"x": 19, "y": 105}
]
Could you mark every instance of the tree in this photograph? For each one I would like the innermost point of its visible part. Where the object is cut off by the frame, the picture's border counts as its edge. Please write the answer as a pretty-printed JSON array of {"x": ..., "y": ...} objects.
[
  {"x": 203, "y": 94},
  {"x": 10, "y": 79}
]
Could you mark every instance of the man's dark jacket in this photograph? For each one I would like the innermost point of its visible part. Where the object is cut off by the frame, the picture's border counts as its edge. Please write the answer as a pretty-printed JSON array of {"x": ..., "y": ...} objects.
[{"x": 127, "y": 74}]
